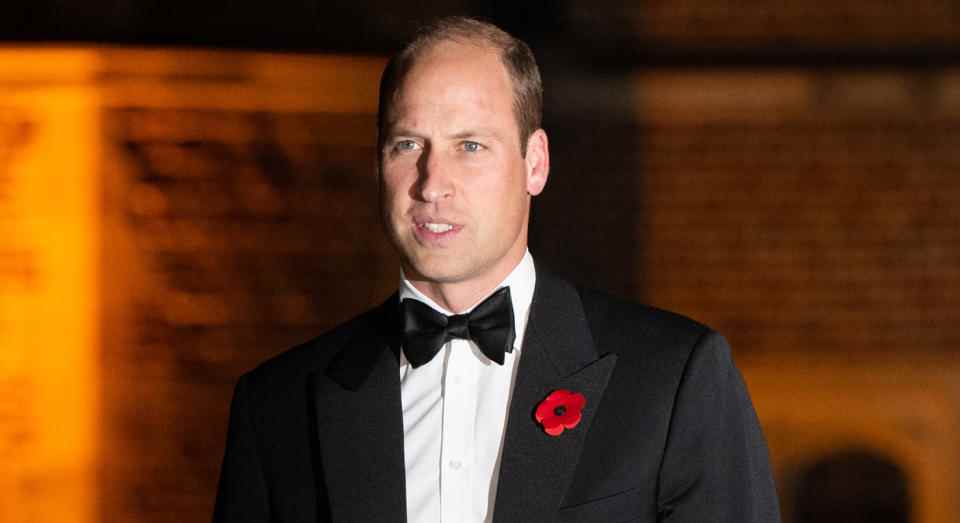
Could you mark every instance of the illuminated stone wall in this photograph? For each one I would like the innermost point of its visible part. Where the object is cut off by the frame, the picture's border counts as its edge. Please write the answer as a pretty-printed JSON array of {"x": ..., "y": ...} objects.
[
  {"x": 49, "y": 312},
  {"x": 243, "y": 201},
  {"x": 805, "y": 211},
  {"x": 169, "y": 219}
]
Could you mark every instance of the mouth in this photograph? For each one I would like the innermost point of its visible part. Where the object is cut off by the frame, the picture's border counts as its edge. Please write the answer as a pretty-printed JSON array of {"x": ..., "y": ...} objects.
[
  {"x": 435, "y": 231},
  {"x": 436, "y": 227}
]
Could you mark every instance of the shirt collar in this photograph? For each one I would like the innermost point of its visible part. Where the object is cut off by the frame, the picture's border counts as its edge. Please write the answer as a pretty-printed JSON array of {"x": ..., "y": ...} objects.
[{"x": 521, "y": 280}]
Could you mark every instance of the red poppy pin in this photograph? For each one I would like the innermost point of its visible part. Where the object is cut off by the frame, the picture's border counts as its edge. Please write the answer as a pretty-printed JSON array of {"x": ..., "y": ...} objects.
[{"x": 560, "y": 410}]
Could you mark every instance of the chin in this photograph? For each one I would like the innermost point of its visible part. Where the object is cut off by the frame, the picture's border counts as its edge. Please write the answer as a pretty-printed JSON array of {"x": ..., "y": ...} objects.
[
  {"x": 437, "y": 273},
  {"x": 451, "y": 268}
]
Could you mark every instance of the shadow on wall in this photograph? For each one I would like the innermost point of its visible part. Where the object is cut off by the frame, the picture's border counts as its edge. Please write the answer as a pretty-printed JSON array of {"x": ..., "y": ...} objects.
[{"x": 853, "y": 486}]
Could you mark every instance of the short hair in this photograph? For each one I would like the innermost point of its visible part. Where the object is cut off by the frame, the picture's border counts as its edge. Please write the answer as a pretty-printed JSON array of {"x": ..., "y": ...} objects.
[{"x": 515, "y": 55}]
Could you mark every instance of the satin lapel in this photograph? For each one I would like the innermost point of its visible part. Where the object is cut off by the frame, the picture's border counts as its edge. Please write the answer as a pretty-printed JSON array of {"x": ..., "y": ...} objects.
[
  {"x": 557, "y": 353},
  {"x": 360, "y": 426}
]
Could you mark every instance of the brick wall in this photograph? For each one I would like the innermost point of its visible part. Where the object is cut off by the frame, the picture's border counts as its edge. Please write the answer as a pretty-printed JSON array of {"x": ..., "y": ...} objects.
[
  {"x": 248, "y": 232},
  {"x": 822, "y": 220}
]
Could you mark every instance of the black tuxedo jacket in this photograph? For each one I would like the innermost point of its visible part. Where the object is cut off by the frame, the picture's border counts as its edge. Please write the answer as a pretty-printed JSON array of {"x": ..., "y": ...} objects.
[{"x": 668, "y": 432}]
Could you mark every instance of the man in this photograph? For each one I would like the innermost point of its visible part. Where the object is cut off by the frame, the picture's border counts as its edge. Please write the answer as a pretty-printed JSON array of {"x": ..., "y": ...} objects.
[{"x": 487, "y": 389}]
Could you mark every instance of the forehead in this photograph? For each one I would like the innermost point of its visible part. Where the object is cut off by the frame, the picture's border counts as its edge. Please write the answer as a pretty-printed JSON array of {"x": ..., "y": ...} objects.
[{"x": 455, "y": 72}]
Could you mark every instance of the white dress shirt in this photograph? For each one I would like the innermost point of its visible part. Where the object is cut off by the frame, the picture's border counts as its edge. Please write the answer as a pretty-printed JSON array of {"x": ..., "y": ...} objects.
[{"x": 454, "y": 414}]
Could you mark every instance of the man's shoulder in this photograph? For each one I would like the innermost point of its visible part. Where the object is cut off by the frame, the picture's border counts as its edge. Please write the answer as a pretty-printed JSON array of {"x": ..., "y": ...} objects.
[
  {"x": 630, "y": 328},
  {"x": 316, "y": 353},
  {"x": 636, "y": 317},
  {"x": 653, "y": 345}
]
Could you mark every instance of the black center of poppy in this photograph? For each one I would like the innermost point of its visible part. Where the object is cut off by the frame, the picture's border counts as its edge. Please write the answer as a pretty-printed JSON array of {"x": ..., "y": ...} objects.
[{"x": 560, "y": 411}]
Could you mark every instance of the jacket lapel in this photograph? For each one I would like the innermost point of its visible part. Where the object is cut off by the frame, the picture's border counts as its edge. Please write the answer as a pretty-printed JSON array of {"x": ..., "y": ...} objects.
[
  {"x": 557, "y": 353},
  {"x": 360, "y": 425}
]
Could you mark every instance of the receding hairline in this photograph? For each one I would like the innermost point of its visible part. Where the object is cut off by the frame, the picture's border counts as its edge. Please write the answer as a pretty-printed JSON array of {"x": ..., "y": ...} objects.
[
  {"x": 513, "y": 54},
  {"x": 424, "y": 55}
]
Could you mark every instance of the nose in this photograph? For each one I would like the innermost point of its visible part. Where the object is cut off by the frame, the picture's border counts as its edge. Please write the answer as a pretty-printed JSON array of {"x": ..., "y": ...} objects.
[{"x": 435, "y": 181}]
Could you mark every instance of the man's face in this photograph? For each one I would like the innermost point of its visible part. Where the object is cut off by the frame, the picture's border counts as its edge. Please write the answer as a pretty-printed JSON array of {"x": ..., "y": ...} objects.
[{"x": 454, "y": 187}]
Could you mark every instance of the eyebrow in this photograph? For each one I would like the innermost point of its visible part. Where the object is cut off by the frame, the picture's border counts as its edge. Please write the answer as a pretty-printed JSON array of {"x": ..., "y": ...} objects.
[
  {"x": 402, "y": 131},
  {"x": 473, "y": 133},
  {"x": 460, "y": 135}
]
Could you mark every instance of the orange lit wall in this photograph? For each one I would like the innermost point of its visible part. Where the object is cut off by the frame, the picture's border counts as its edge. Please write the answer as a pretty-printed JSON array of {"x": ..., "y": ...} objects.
[
  {"x": 49, "y": 278},
  {"x": 167, "y": 220}
]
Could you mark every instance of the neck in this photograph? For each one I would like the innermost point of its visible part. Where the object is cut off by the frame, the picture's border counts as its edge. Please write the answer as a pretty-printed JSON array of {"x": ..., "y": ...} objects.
[{"x": 458, "y": 296}]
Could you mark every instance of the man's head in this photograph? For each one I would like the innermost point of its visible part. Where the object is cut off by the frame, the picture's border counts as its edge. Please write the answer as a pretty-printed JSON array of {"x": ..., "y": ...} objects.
[{"x": 457, "y": 169}]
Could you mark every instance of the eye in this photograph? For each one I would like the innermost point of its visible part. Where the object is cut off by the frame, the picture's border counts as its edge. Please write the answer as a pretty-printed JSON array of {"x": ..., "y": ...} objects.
[
  {"x": 405, "y": 146},
  {"x": 472, "y": 147}
]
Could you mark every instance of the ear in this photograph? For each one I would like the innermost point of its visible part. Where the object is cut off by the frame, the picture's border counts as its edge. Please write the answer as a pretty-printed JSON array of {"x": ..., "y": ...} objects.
[{"x": 537, "y": 162}]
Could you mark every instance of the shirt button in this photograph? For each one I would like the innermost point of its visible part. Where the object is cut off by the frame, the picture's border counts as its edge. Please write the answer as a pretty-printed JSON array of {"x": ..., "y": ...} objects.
[
  {"x": 457, "y": 380},
  {"x": 455, "y": 464}
]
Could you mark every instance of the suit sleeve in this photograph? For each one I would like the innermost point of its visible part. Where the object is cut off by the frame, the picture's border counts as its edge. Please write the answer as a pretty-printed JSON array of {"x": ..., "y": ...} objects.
[
  {"x": 716, "y": 466},
  {"x": 241, "y": 492}
]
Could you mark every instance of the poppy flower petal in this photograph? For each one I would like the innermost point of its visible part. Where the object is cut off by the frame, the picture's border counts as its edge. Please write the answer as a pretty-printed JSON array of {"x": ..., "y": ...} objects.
[
  {"x": 576, "y": 401},
  {"x": 542, "y": 412},
  {"x": 572, "y": 421},
  {"x": 571, "y": 416},
  {"x": 554, "y": 431}
]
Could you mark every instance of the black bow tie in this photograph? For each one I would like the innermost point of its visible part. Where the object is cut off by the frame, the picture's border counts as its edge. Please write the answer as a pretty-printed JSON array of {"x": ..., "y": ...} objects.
[{"x": 489, "y": 325}]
